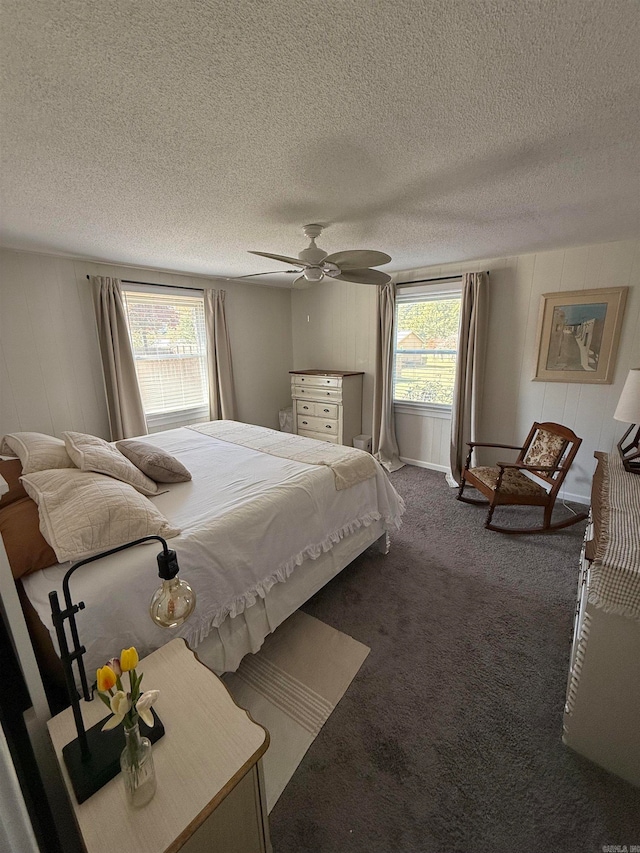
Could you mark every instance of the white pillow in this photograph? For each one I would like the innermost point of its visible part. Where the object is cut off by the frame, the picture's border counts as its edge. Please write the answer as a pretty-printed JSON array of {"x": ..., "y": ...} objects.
[
  {"x": 36, "y": 451},
  {"x": 82, "y": 514},
  {"x": 91, "y": 453}
]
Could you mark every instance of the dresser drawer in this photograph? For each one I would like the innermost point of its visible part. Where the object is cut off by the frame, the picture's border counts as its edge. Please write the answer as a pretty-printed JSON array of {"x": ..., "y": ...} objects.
[
  {"x": 321, "y": 425},
  {"x": 332, "y": 395},
  {"x": 318, "y": 410},
  {"x": 318, "y": 436},
  {"x": 318, "y": 381},
  {"x": 326, "y": 410}
]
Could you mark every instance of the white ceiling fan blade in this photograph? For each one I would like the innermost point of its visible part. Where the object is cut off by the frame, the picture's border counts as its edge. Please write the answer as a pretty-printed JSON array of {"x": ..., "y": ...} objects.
[
  {"x": 301, "y": 283},
  {"x": 271, "y": 272},
  {"x": 286, "y": 260},
  {"x": 364, "y": 277},
  {"x": 357, "y": 259}
]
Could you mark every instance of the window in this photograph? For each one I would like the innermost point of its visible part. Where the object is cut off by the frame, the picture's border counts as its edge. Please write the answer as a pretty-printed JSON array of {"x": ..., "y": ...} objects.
[
  {"x": 170, "y": 350},
  {"x": 426, "y": 347}
]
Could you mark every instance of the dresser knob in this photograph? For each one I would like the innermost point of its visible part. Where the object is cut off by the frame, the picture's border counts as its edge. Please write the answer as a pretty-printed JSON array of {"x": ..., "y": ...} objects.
[
  {"x": 306, "y": 407},
  {"x": 304, "y": 422},
  {"x": 327, "y": 411},
  {"x": 327, "y": 426}
]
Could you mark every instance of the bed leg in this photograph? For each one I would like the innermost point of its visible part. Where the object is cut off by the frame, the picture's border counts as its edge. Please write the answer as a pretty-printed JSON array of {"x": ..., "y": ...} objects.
[{"x": 383, "y": 544}]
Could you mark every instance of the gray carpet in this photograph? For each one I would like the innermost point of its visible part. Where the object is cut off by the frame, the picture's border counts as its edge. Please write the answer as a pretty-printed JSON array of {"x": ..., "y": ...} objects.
[{"x": 449, "y": 738}]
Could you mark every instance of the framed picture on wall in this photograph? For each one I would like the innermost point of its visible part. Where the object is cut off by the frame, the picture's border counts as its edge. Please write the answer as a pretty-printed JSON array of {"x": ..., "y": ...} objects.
[{"x": 578, "y": 334}]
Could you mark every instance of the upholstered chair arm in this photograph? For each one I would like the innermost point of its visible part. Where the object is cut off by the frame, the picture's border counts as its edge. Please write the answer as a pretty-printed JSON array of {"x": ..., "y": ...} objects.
[{"x": 472, "y": 444}]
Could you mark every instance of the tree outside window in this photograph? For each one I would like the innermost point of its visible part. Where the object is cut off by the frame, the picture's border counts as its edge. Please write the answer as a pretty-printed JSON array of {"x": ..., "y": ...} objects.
[
  {"x": 426, "y": 348},
  {"x": 169, "y": 344}
]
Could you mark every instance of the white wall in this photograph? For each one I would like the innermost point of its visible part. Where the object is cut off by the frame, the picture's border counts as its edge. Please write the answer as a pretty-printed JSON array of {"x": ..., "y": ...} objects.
[
  {"x": 333, "y": 325},
  {"x": 50, "y": 371},
  {"x": 341, "y": 331}
]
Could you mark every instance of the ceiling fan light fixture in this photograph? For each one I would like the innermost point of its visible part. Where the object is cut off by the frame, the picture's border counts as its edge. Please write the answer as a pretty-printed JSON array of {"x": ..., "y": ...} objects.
[
  {"x": 331, "y": 269},
  {"x": 313, "y": 274}
]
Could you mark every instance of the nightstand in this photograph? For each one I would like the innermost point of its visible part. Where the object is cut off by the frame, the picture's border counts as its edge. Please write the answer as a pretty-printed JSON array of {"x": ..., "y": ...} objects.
[{"x": 210, "y": 794}]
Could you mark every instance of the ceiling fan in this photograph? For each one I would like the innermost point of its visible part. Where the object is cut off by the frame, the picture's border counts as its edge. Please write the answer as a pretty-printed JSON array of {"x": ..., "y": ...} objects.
[{"x": 314, "y": 263}]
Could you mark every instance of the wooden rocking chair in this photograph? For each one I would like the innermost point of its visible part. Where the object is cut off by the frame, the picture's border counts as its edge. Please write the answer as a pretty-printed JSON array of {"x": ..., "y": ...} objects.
[{"x": 547, "y": 454}]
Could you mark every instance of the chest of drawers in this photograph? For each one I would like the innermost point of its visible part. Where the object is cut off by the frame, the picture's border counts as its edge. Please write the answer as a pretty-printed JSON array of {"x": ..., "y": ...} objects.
[
  {"x": 603, "y": 691},
  {"x": 327, "y": 404}
]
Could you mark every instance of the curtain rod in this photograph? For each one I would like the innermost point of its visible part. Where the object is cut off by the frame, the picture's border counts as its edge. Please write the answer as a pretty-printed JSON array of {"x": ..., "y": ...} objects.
[
  {"x": 428, "y": 280},
  {"x": 153, "y": 284}
]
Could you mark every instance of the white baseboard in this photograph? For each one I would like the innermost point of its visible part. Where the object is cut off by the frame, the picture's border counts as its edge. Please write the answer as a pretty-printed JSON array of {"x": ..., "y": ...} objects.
[{"x": 420, "y": 464}]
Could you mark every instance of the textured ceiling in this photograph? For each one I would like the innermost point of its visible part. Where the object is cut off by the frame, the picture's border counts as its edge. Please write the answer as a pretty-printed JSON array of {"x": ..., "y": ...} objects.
[{"x": 180, "y": 135}]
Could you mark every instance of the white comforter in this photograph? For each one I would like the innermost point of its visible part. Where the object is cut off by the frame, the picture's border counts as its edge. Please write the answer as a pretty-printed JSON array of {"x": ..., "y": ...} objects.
[{"x": 248, "y": 520}]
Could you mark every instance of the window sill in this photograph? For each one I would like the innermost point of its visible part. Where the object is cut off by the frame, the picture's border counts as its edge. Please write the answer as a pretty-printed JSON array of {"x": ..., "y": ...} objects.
[
  {"x": 172, "y": 420},
  {"x": 422, "y": 410}
]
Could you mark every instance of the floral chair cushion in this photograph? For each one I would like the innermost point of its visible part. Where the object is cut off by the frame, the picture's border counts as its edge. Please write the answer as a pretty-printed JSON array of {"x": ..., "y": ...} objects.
[
  {"x": 513, "y": 482},
  {"x": 546, "y": 449}
]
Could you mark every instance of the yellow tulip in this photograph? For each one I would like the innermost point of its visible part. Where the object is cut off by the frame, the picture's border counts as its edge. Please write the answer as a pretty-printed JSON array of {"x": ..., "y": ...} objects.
[
  {"x": 128, "y": 659},
  {"x": 106, "y": 678}
]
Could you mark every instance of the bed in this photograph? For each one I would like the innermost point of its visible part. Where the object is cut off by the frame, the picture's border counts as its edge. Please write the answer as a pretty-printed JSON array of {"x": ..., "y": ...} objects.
[{"x": 261, "y": 531}]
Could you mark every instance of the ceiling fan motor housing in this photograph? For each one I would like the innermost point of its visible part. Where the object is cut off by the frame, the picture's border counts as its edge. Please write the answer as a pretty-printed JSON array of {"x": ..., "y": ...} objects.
[{"x": 313, "y": 254}]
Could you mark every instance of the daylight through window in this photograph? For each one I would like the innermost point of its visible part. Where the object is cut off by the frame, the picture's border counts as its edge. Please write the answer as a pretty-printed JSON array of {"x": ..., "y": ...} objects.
[
  {"x": 426, "y": 346},
  {"x": 170, "y": 350}
]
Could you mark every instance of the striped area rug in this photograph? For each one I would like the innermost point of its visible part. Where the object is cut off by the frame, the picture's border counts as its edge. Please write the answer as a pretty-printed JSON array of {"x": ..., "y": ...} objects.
[{"x": 291, "y": 686}]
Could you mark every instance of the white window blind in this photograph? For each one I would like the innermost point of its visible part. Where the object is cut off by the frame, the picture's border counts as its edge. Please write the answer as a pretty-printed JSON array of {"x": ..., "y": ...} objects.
[
  {"x": 426, "y": 347},
  {"x": 169, "y": 342}
]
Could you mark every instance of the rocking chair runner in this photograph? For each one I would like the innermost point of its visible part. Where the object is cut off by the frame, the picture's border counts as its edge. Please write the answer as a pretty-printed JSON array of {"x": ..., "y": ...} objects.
[{"x": 547, "y": 454}]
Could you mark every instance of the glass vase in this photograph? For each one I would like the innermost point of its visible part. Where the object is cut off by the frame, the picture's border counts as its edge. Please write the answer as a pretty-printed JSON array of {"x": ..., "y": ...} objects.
[{"x": 136, "y": 764}]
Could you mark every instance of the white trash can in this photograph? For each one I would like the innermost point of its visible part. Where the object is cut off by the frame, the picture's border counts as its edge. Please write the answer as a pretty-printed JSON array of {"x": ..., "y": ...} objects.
[
  {"x": 362, "y": 442},
  {"x": 286, "y": 419}
]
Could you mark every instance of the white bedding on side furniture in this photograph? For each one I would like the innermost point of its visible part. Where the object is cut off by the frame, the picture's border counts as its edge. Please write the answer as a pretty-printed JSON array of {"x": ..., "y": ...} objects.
[{"x": 249, "y": 521}]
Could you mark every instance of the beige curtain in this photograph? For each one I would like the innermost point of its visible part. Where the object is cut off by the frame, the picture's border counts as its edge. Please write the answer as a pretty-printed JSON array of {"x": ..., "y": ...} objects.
[
  {"x": 467, "y": 391},
  {"x": 384, "y": 444},
  {"x": 16, "y": 831},
  {"x": 222, "y": 398},
  {"x": 124, "y": 404}
]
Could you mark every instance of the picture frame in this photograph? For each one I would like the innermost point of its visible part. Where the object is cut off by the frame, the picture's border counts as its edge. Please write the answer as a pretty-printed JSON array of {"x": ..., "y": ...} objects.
[{"x": 578, "y": 335}]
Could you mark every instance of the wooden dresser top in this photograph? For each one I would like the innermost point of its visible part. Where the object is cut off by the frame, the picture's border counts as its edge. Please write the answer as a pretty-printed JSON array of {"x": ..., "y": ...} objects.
[{"x": 329, "y": 372}]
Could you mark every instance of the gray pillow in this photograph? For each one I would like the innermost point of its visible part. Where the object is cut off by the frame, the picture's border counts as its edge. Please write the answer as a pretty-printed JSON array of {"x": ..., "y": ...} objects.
[
  {"x": 91, "y": 453},
  {"x": 153, "y": 461}
]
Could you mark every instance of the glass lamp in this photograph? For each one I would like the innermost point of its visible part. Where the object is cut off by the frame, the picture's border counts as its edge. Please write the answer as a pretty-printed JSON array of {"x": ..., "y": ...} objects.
[
  {"x": 93, "y": 758},
  {"x": 628, "y": 411},
  {"x": 174, "y": 601}
]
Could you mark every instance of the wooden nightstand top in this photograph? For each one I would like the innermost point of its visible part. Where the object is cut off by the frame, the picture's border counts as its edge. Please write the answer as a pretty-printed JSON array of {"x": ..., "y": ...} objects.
[{"x": 209, "y": 745}]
